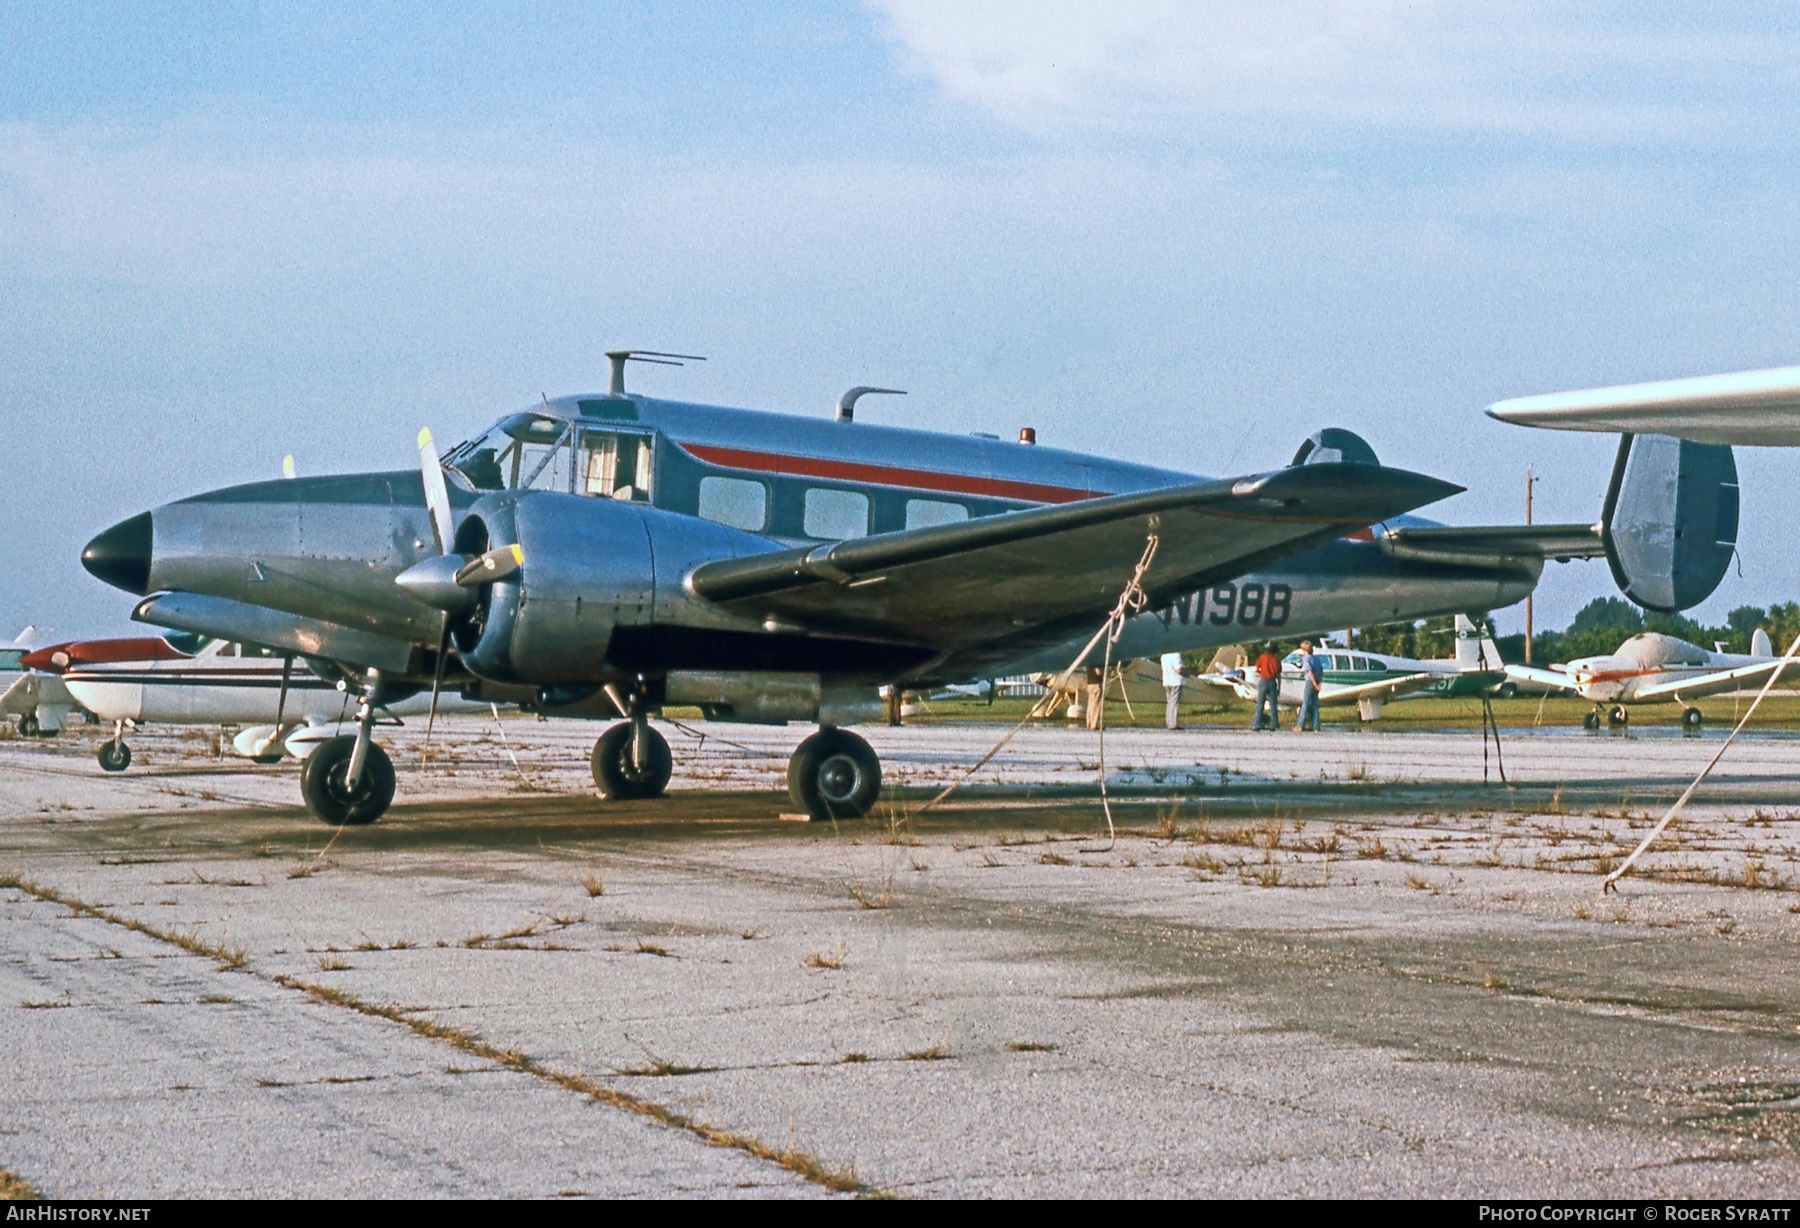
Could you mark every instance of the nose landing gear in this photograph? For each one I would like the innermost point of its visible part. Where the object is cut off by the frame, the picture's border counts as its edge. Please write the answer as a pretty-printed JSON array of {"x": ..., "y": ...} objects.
[
  {"x": 631, "y": 761},
  {"x": 115, "y": 756},
  {"x": 348, "y": 780}
]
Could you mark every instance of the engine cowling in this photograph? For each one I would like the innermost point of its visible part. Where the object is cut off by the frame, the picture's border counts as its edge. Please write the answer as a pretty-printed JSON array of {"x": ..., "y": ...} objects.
[{"x": 588, "y": 568}]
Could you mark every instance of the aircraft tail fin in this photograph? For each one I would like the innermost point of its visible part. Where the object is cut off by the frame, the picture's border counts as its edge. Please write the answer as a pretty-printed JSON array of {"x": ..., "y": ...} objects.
[
  {"x": 1475, "y": 648},
  {"x": 1671, "y": 520},
  {"x": 1760, "y": 645}
]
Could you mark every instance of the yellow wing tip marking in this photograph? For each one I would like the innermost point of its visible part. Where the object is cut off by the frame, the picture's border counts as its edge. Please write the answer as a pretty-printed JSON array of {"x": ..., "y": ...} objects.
[
  {"x": 425, "y": 437},
  {"x": 518, "y": 553}
]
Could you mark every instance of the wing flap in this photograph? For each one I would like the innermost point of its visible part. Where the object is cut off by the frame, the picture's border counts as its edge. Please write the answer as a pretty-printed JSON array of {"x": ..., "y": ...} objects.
[{"x": 981, "y": 581}]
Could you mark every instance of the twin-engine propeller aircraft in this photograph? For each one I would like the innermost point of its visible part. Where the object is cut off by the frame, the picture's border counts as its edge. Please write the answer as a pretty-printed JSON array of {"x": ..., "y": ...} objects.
[
  {"x": 38, "y": 699},
  {"x": 1371, "y": 679},
  {"x": 1654, "y": 668},
  {"x": 181, "y": 678},
  {"x": 605, "y": 556}
]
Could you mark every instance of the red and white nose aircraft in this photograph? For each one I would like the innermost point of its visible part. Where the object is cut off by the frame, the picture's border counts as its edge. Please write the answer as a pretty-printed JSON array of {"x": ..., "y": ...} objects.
[
  {"x": 185, "y": 679},
  {"x": 1654, "y": 668}
]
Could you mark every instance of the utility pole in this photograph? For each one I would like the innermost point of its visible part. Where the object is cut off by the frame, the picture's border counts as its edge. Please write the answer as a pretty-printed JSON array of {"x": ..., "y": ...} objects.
[{"x": 1530, "y": 481}]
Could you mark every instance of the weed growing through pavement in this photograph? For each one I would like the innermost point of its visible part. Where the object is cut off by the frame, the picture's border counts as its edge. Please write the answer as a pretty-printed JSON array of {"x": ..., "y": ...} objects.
[
  {"x": 1050, "y": 857},
  {"x": 832, "y": 962},
  {"x": 593, "y": 884},
  {"x": 1032, "y": 1046}
]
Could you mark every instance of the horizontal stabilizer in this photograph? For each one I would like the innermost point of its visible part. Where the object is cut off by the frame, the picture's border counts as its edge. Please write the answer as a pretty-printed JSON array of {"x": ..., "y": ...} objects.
[{"x": 1485, "y": 545}]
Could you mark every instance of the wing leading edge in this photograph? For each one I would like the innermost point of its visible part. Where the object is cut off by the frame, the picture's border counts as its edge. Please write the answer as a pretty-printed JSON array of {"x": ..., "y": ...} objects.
[{"x": 1003, "y": 577}]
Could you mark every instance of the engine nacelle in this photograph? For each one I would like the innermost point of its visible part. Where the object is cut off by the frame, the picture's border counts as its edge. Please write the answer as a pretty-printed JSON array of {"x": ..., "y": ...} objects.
[{"x": 588, "y": 568}]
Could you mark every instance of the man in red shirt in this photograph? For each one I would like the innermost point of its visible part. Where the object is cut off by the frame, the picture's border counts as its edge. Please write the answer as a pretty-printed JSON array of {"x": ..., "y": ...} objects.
[{"x": 1268, "y": 689}]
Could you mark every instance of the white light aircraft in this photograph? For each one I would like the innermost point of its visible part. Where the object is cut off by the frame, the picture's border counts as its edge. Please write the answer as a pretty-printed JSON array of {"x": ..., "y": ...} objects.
[{"x": 1654, "y": 668}]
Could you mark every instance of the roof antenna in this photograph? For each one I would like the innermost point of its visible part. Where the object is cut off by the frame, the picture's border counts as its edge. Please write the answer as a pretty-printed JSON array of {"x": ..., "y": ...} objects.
[
  {"x": 847, "y": 403},
  {"x": 619, "y": 358}
]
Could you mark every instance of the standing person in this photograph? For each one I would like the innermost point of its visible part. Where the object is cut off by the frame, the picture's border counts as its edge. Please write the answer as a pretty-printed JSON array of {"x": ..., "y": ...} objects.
[
  {"x": 1173, "y": 673},
  {"x": 1268, "y": 690},
  {"x": 1312, "y": 677},
  {"x": 1096, "y": 696}
]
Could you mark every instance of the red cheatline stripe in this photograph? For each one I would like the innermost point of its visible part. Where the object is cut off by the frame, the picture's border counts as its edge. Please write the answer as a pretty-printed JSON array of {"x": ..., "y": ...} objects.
[
  {"x": 101, "y": 652},
  {"x": 886, "y": 475}
]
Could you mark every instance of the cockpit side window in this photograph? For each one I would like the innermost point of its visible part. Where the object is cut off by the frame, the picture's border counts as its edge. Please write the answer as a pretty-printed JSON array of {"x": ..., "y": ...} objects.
[{"x": 619, "y": 465}]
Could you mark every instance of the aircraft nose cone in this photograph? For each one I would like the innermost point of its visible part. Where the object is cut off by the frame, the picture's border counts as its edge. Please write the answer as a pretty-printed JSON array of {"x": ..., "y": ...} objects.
[{"x": 121, "y": 555}]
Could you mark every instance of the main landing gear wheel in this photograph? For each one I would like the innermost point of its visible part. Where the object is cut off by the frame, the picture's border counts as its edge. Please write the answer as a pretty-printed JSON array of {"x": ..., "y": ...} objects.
[
  {"x": 1618, "y": 718},
  {"x": 834, "y": 775},
  {"x": 622, "y": 776},
  {"x": 28, "y": 725},
  {"x": 1591, "y": 720},
  {"x": 114, "y": 756},
  {"x": 324, "y": 783},
  {"x": 1691, "y": 718}
]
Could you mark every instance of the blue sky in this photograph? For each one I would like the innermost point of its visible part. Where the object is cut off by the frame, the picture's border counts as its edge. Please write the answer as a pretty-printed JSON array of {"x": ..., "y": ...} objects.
[{"x": 1183, "y": 233}]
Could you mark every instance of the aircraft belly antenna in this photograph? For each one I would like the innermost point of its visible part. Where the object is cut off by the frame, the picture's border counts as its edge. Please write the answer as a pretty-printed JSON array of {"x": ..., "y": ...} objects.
[
  {"x": 846, "y": 407},
  {"x": 619, "y": 358}
]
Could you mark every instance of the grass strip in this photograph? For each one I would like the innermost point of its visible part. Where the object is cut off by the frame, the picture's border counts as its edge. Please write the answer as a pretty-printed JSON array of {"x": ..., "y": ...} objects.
[{"x": 800, "y": 1163}]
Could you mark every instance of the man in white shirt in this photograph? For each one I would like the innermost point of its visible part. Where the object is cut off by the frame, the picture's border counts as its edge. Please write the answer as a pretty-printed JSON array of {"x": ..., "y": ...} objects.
[{"x": 1173, "y": 673}]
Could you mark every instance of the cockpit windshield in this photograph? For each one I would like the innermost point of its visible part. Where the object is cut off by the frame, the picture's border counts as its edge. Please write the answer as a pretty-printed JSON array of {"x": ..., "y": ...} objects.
[
  {"x": 538, "y": 452},
  {"x": 520, "y": 452}
]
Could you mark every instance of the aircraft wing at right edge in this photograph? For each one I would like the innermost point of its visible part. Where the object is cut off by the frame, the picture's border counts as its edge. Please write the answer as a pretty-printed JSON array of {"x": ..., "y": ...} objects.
[
  {"x": 1554, "y": 679},
  {"x": 999, "y": 578}
]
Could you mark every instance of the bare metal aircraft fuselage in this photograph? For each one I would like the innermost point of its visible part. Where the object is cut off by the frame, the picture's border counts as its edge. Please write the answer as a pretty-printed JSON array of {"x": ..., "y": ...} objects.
[{"x": 609, "y": 555}]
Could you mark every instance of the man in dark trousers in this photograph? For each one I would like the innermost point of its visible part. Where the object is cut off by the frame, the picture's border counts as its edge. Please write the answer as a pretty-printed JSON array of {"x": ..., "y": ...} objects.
[
  {"x": 1268, "y": 690},
  {"x": 1312, "y": 677}
]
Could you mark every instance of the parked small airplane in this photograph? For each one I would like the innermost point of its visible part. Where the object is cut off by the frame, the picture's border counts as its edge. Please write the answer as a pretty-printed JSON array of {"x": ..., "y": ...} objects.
[
  {"x": 39, "y": 700},
  {"x": 1372, "y": 679},
  {"x": 185, "y": 679},
  {"x": 1654, "y": 668},
  {"x": 603, "y": 556}
]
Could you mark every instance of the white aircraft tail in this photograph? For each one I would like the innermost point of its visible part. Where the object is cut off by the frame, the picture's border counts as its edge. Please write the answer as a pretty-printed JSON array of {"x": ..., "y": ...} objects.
[
  {"x": 1760, "y": 645},
  {"x": 1475, "y": 648}
]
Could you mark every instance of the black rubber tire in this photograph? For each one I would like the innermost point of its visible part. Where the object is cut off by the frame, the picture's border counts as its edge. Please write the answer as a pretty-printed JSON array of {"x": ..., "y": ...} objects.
[
  {"x": 1508, "y": 690},
  {"x": 621, "y": 780},
  {"x": 266, "y": 760},
  {"x": 834, "y": 775},
  {"x": 28, "y": 725},
  {"x": 114, "y": 756},
  {"x": 1591, "y": 720},
  {"x": 322, "y": 783},
  {"x": 1618, "y": 718},
  {"x": 1692, "y": 718}
]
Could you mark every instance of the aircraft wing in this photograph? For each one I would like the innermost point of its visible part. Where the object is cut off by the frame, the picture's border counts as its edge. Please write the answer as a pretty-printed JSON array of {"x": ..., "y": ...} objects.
[
  {"x": 1744, "y": 407},
  {"x": 1485, "y": 545},
  {"x": 1387, "y": 688},
  {"x": 1555, "y": 679},
  {"x": 1041, "y": 574},
  {"x": 1713, "y": 684}
]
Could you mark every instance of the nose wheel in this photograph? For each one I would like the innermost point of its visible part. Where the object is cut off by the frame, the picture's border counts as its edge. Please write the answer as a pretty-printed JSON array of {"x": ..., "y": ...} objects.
[
  {"x": 348, "y": 780},
  {"x": 631, "y": 761},
  {"x": 834, "y": 775}
]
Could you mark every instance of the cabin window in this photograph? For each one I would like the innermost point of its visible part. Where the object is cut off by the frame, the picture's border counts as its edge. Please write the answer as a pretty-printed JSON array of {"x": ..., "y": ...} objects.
[
  {"x": 1361, "y": 664},
  {"x": 835, "y": 514},
  {"x": 618, "y": 466},
  {"x": 738, "y": 502},
  {"x": 923, "y": 513},
  {"x": 1338, "y": 662}
]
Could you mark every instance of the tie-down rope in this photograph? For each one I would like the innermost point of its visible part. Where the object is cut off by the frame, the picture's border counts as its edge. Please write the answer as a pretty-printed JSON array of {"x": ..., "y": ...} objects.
[
  {"x": 1778, "y": 671},
  {"x": 1131, "y": 600}
]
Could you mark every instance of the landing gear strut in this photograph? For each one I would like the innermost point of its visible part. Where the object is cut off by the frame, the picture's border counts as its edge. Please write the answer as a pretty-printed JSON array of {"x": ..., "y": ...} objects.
[
  {"x": 834, "y": 775},
  {"x": 348, "y": 780},
  {"x": 115, "y": 756}
]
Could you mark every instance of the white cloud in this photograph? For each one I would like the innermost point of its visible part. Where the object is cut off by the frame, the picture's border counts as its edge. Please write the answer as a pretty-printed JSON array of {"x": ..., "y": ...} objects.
[{"x": 1591, "y": 73}]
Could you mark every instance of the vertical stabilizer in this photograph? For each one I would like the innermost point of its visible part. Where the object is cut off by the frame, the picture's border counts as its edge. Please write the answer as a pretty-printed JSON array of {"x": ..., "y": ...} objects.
[{"x": 1760, "y": 645}]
